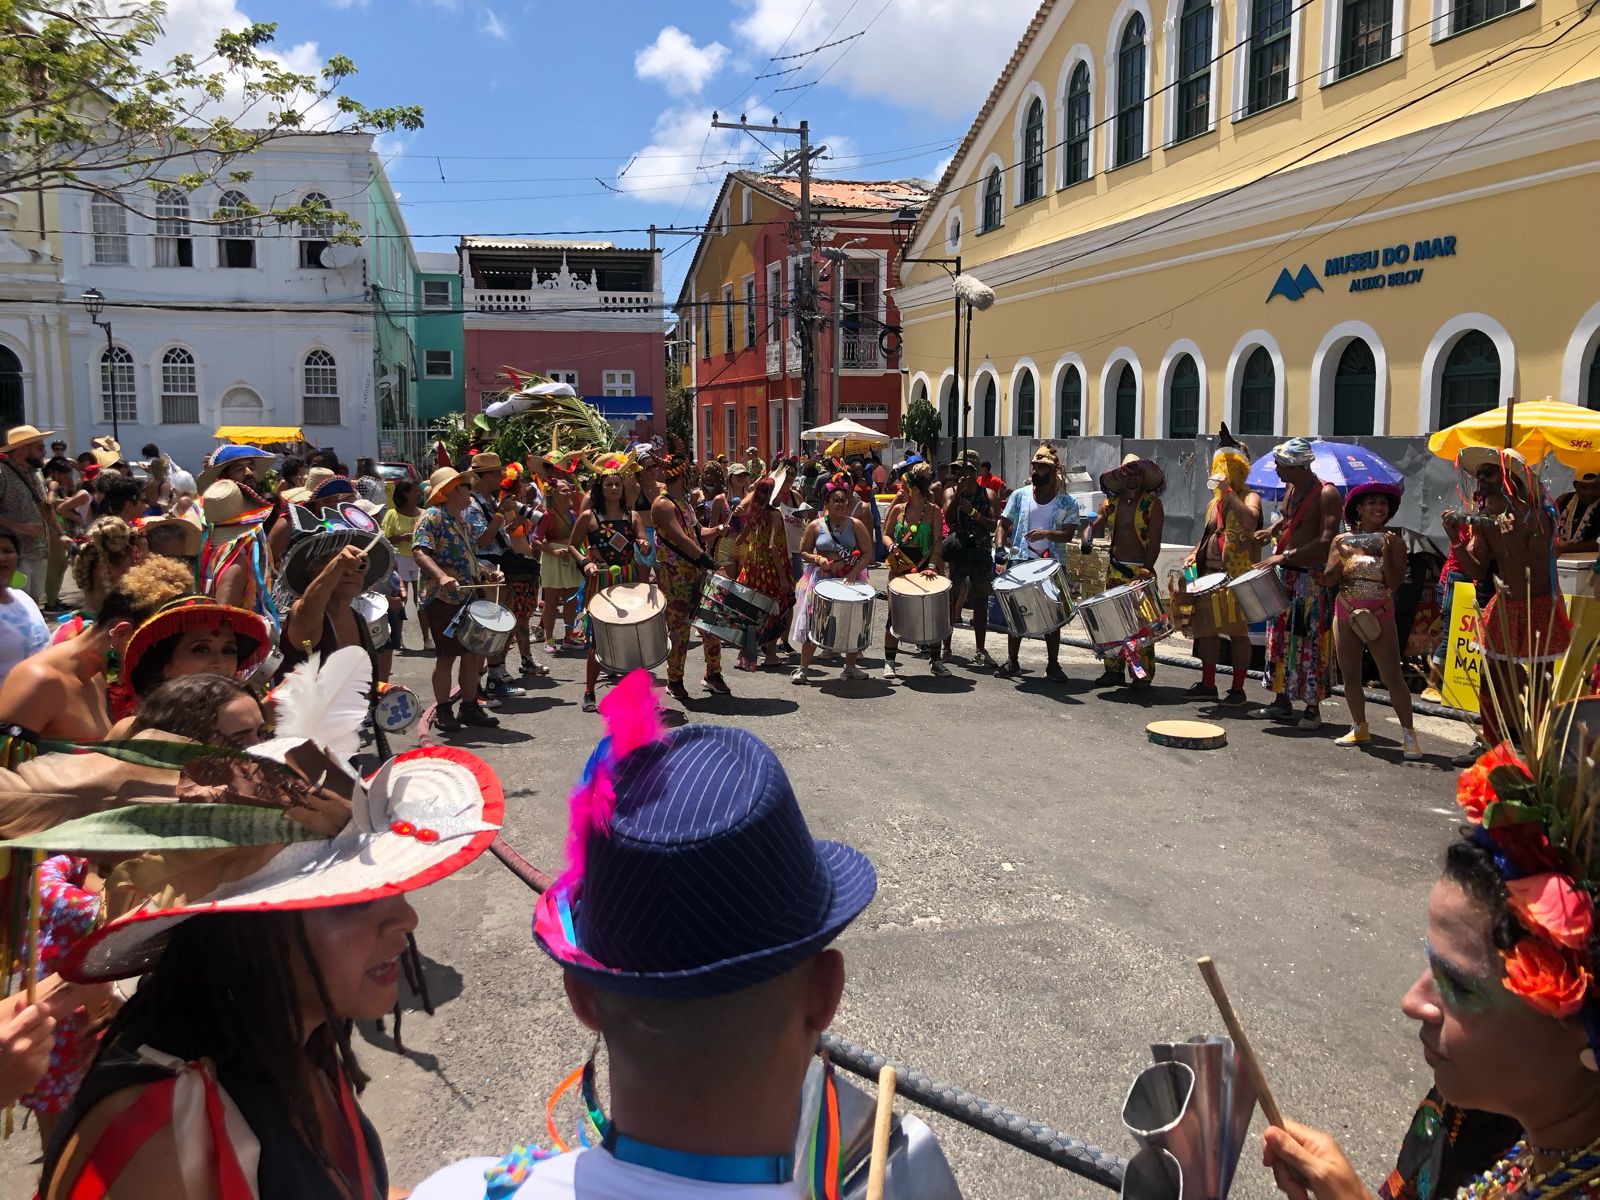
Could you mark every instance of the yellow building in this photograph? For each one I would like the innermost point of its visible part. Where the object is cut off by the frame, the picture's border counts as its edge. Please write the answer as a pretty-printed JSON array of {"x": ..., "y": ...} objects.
[{"x": 1339, "y": 216}]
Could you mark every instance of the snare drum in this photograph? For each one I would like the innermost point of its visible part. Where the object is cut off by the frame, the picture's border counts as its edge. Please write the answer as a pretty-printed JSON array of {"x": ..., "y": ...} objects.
[
  {"x": 1260, "y": 593},
  {"x": 1128, "y": 615},
  {"x": 731, "y": 610},
  {"x": 397, "y": 710},
  {"x": 919, "y": 609},
  {"x": 1215, "y": 610},
  {"x": 841, "y": 616},
  {"x": 373, "y": 609},
  {"x": 484, "y": 627},
  {"x": 628, "y": 628},
  {"x": 1033, "y": 596}
]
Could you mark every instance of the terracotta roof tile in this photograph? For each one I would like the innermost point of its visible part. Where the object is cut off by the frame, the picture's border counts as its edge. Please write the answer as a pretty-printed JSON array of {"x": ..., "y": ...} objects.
[{"x": 890, "y": 195}]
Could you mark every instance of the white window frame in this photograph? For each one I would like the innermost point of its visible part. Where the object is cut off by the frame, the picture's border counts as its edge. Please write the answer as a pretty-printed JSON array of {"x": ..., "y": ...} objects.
[
  {"x": 306, "y": 394},
  {"x": 722, "y": 216},
  {"x": 122, "y": 361},
  {"x": 1079, "y": 53},
  {"x": 1108, "y": 390},
  {"x": 1018, "y": 137},
  {"x": 103, "y": 211},
  {"x": 727, "y": 319},
  {"x": 449, "y": 371},
  {"x": 1581, "y": 346},
  {"x": 1111, "y": 77},
  {"x": 1326, "y": 361},
  {"x": 952, "y": 231},
  {"x": 617, "y": 383},
  {"x": 1333, "y": 25},
  {"x": 1243, "y": 11},
  {"x": 979, "y": 186},
  {"x": 1024, "y": 366},
  {"x": 752, "y": 326},
  {"x": 1062, "y": 363},
  {"x": 436, "y": 283},
  {"x": 1170, "y": 30},
  {"x": 564, "y": 376},
  {"x": 1234, "y": 379},
  {"x": 730, "y": 431},
  {"x": 1169, "y": 364},
  {"x": 307, "y": 234},
  {"x": 1438, "y": 354},
  {"x": 165, "y": 391},
  {"x": 745, "y": 206},
  {"x": 1439, "y": 26},
  {"x": 242, "y": 229},
  {"x": 172, "y": 226},
  {"x": 775, "y": 302}
]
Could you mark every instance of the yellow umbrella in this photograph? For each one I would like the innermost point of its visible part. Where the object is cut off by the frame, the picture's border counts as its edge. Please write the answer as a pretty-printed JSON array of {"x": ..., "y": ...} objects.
[
  {"x": 848, "y": 446},
  {"x": 1537, "y": 428}
]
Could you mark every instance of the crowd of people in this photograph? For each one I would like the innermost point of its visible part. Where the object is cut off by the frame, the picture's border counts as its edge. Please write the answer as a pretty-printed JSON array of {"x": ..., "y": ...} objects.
[{"x": 180, "y": 802}]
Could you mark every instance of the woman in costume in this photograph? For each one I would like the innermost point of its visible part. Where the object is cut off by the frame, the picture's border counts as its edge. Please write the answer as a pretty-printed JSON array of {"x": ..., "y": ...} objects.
[
  {"x": 448, "y": 559},
  {"x": 1366, "y": 565},
  {"x": 189, "y": 635},
  {"x": 235, "y": 559},
  {"x": 520, "y": 563},
  {"x": 1132, "y": 516},
  {"x": 1227, "y": 545},
  {"x": 1508, "y": 1005},
  {"x": 835, "y": 546},
  {"x": 914, "y": 537},
  {"x": 760, "y": 550},
  {"x": 99, "y": 561},
  {"x": 724, "y": 516},
  {"x": 560, "y": 565},
  {"x": 610, "y": 540}
]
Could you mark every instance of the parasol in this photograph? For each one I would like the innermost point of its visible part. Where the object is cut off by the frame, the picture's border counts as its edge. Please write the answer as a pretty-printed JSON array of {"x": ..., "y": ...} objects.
[
  {"x": 1533, "y": 428},
  {"x": 1338, "y": 463},
  {"x": 848, "y": 430},
  {"x": 844, "y": 447}
]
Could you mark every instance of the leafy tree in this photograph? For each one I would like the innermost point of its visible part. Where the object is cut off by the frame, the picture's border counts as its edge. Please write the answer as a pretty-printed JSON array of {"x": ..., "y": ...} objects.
[
  {"x": 82, "y": 108},
  {"x": 679, "y": 405},
  {"x": 919, "y": 423}
]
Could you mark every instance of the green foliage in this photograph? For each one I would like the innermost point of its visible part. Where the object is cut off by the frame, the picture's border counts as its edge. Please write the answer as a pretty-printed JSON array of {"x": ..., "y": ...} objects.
[
  {"x": 679, "y": 405},
  {"x": 552, "y": 425},
  {"x": 919, "y": 423},
  {"x": 140, "y": 827},
  {"x": 81, "y": 108}
]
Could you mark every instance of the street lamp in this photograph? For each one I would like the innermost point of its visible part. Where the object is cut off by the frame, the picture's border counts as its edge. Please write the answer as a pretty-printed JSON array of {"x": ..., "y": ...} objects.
[
  {"x": 902, "y": 225},
  {"x": 94, "y": 303},
  {"x": 837, "y": 256}
]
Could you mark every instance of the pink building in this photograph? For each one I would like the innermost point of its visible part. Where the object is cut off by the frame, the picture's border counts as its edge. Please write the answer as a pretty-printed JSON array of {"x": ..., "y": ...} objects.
[{"x": 587, "y": 313}]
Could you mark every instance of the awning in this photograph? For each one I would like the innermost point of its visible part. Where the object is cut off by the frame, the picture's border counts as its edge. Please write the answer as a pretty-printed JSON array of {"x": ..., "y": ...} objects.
[
  {"x": 258, "y": 435},
  {"x": 622, "y": 408}
]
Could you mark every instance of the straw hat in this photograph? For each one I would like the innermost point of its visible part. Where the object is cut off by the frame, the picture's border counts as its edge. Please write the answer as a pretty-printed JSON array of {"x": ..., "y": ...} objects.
[
  {"x": 21, "y": 435},
  {"x": 108, "y": 458},
  {"x": 189, "y": 526},
  {"x": 194, "y": 612},
  {"x": 315, "y": 478},
  {"x": 227, "y": 456},
  {"x": 487, "y": 461},
  {"x": 441, "y": 481},
  {"x": 229, "y": 513}
]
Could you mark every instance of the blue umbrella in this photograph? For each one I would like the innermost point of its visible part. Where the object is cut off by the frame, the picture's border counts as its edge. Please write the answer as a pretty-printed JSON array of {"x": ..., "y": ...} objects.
[{"x": 1338, "y": 463}]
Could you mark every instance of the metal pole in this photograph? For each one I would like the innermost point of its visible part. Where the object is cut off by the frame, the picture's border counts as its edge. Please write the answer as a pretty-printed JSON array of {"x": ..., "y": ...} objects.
[
  {"x": 838, "y": 342},
  {"x": 956, "y": 390},
  {"x": 966, "y": 371},
  {"x": 111, "y": 376},
  {"x": 805, "y": 322}
]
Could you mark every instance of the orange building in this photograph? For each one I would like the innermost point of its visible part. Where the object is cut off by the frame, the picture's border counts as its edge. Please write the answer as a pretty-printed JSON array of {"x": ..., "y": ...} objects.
[{"x": 738, "y": 323}]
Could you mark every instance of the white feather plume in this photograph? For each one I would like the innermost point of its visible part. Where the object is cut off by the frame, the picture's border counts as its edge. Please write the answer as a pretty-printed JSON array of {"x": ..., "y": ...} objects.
[
  {"x": 974, "y": 292},
  {"x": 325, "y": 703}
]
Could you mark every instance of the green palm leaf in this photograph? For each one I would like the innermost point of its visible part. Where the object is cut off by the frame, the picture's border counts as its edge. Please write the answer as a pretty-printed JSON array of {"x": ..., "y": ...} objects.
[
  {"x": 143, "y": 752},
  {"x": 139, "y": 827}
]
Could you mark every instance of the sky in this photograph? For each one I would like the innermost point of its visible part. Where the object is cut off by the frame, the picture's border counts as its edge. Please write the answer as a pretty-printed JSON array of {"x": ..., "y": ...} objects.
[{"x": 544, "y": 118}]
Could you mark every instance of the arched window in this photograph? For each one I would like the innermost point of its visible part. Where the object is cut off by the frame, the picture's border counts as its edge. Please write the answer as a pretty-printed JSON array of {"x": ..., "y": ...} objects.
[
  {"x": 241, "y": 406},
  {"x": 108, "y": 221},
  {"x": 1268, "y": 81},
  {"x": 174, "y": 245},
  {"x": 1069, "y": 403},
  {"x": 180, "y": 390},
  {"x": 118, "y": 386},
  {"x": 1077, "y": 143},
  {"x": 236, "y": 236},
  {"x": 1025, "y": 398},
  {"x": 12, "y": 401},
  {"x": 1471, "y": 380},
  {"x": 1183, "y": 398},
  {"x": 321, "y": 389},
  {"x": 1130, "y": 91},
  {"x": 1591, "y": 394},
  {"x": 991, "y": 201},
  {"x": 989, "y": 408},
  {"x": 1257, "y": 393},
  {"x": 1033, "y": 152},
  {"x": 1194, "y": 69},
  {"x": 1355, "y": 391},
  {"x": 1126, "y": 412},
  {"x": 315, "y": 234}
]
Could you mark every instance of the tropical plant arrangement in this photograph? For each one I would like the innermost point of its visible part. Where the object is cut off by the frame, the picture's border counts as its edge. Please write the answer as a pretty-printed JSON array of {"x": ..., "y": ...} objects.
[{"x": 537, "y": 416}]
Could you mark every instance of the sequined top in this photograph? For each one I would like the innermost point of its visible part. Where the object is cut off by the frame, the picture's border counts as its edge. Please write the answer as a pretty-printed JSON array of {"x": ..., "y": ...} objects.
[{"x": 1362, "y": 556}]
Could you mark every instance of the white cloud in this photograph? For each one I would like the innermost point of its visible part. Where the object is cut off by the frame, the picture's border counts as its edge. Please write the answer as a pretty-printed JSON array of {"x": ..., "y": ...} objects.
[
  {"x": 942, "y": 60},
  {"x": 347, "y": 3},
  {"x": 675, "y": 62},
  {"x": 665, "y": 171},
  {"x": 489, "y": 22}
]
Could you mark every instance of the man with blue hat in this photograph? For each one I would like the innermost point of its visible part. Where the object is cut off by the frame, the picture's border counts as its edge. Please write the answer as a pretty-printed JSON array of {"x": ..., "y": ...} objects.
[
  {"x": 237, "y": 464},
  {"x": 693, "y": 924}
]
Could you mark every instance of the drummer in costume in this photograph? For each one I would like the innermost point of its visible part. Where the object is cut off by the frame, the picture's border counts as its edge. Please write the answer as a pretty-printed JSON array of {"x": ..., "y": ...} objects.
[
  {"x": 1227, "y": 545},
  {"x": 680, "y": 561},
  {"x": 608, "y": 539},
  {"x": 701, "y": 819},
  {"x": 1299, "y": 664},
  {"x": 761, "y": 559},
  {"x": 486, "y": 517},
  {"x": 1133, "y": 514},
  {"x": 444, "y": 551},
  {"x": 522, "y": 562},
  {"x": 969, "y": 553},
  {"x": 325, "y": 573},
  {"x": 560, "y": 565},
  {"x": 235, "y": 559},
  {"x": 835, "y": 545},
  {"x": 1366, "y": 565},
  {"x": 1036, "y": 523},
  {"x": 914, "y": 537},
  {"x": 1578, "y": 516}
]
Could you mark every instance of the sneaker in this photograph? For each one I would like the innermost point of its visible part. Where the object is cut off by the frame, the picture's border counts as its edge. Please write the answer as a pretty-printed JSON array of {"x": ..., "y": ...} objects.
[
  {"x": 1055, "y": 674},
  {"x": 939, "y": 668},
  {"x": 1201, "y": 691},
  {"x": 716, "y": 685},
  {"x": 1273, "y": 712},
  {"x": 1432, "y": 695},
  {"x": 1311, "y": 718},
  {"x": 444, "y": 719},
  {"x": 1410, "y": 747},
  {"x": 982, "y": 659},
  {"x": 1470, "y": 755},
  {"x": 800, "y": 676},
  {"x": 474, "y": 714},
  {"x": 589, "y": 704},
  {"x": 852, "y": 671},
  {"x": 1235, "y": 698},
  {"x": 890, "y": 671},
  {"x": 1109, "y": 678},
  {"x": 488, "y": 699},
  {"x": 1009, "y": 668},
  {"x": 500, "y": 687},
  {"x": 1357, "y": 736},
  {"x": 677, "y": 691}
]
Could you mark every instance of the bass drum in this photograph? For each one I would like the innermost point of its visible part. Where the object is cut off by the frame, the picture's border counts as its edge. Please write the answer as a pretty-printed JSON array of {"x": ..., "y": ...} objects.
[
  {"x": 919, "y": 609},
  {"x": 628, "y": 627},
  {"x": 841, "y": 616},
  {"x": 1033, "y": 596},
  {"x": 1128, "y": 615}
]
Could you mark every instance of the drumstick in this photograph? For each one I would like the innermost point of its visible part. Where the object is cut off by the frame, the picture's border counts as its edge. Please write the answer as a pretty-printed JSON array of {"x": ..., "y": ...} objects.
[
  {"x": 878, "y": 1164},
  {"x": 1230, "y": 1018},
  {"x": 376, "y": 538}
]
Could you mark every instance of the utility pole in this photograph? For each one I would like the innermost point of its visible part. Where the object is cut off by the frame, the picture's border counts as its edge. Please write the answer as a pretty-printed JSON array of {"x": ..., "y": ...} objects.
[{"x": 805, "y": 304}]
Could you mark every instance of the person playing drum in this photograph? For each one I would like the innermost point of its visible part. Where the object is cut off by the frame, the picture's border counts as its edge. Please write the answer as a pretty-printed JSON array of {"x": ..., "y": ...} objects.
[
  {"x": 1133, "y": 513},
  {"x": 969, "y": 553},
  {"x": 835, "y": 546},
  {"x": 609, "y": 540},
  {"x": 1036, "y": 520},
  {"x": 1227, "y": 545},
  {"x": 761, "y": 550},
  {"x": 1367, "y": 564},
  {"x": 444, "y": 551},
  {"x": 914, "y": 537},
  {"x": 680, "y": 559}
]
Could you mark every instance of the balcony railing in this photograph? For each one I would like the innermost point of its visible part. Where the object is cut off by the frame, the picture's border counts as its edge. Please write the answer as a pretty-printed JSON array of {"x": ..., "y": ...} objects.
[
  {"x": 573, "y": 300},
  {"x": 774, "y": 359},
  {"x": 791, "y": 356},
  {"x": 862, "y": 354}
]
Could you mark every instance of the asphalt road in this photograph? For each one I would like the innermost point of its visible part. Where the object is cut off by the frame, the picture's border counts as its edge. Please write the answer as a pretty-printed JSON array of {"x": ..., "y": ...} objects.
[{"x": 1047, "y": 877}]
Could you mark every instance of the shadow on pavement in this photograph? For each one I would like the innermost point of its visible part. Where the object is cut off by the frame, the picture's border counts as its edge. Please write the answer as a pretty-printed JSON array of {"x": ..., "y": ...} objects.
[
  {"x": 938, "y": 685},
  {"x": 855, "y": 689},
  {"x": 1061, "y": 693},
  {"x": 742, "y": 706}
]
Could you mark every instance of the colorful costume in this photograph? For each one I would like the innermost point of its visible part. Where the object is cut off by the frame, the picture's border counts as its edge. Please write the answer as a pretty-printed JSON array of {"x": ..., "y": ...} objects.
[
  {"x": 1527, "y": 632},
  {"x": 766, "y": 569},
  {"x": 1444, "y": 1148},
  {"x": 67, "y": 914},
  {"x": 1226, "y": 545},
  {"x": 447, "y": 542},
  {"x": 680, "y": 581},
  {"x": 1299, "y": 639},
  {"x": 852, "y": 566}
]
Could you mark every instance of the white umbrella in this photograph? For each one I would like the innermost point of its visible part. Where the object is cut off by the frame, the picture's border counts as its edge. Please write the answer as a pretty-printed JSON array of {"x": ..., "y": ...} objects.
[{"x": 851, "y": 430}]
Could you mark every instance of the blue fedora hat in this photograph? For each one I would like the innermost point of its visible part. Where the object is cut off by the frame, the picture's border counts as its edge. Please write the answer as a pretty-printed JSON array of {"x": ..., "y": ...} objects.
[
  {"x": 704, "y": 879},
  {"x": 226, "y": 456}
]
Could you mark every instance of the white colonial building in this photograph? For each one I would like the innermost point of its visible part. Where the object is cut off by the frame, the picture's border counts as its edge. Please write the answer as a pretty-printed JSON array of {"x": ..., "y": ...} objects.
[
  {"x": 242, "y": 323},
  {"x": 34, "y": 386}
]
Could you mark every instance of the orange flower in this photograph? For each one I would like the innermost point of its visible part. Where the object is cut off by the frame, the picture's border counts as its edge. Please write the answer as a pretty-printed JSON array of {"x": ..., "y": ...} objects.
[
  {"x": 1548, "y": 978},
  {"x": 1549, "y": 904},
  {"x": 1473, "y": 793},
  {"x": 1503, "y": 755}
]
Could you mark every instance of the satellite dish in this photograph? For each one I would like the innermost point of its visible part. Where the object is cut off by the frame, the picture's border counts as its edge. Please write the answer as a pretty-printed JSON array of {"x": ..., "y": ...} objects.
[
  {"x": 339, "y": 256},
  {"x": 388, "y": 381}
]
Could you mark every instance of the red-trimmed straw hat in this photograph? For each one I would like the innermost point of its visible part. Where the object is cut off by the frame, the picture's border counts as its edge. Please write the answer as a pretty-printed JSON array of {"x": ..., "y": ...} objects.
[{"x": 194, "y": 612}]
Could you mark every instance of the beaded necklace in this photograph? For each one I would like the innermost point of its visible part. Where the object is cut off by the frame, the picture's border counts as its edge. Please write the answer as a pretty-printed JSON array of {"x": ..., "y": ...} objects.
[{"x": 1578, "y": 1173}]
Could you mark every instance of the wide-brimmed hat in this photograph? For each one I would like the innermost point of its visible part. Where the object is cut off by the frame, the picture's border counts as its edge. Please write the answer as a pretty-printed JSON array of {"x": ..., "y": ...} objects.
[
  {"x": 700, "y": 828},
  {"x": 315, "y": 478},
  {"x": 1376, "y": 487},
  {"x": 1046, "y": 454},
  {"x": 20, "y": 435},
  {"x": 614, "y": 463},
  {"x": 229, "y": 513},
  {"x": 194, "y": 612},
  {"x": 106, "y": 459},
  {"x": 327, "y": 491},
  {"x": 189, "y": 526},
  {"x": 228, "y": 455},
  {"x": 309, "y": 555},
  {"x": 1133, "y": 473},
  {"x": 442, "y": 481},
  {"x": 285, "y": 829},
  {"x": 488, "y": 460}
]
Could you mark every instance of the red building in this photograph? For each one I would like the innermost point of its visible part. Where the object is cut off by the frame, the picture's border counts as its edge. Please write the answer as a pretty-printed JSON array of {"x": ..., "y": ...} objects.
[
  {"x": 588, "y": 313},
  {"x": 737, "y": 320}
]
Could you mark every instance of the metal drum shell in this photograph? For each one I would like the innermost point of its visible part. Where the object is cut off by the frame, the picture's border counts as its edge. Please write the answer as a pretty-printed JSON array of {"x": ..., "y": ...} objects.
[
  {"x": 638, "y": 644},
  {"x": 1208, "y": 596},
  {"x": 479, "y": 637},
  {"x": 841, "y": 616},
  {"x": 741, "y": 608},
  {"x": 919, "y": 609},
  {"x": 1132, "y": 612},
  {"x": 1035, "y": 601},
  {"x": 1260, "y": 594},
  {"x": 373, "y": 609}
]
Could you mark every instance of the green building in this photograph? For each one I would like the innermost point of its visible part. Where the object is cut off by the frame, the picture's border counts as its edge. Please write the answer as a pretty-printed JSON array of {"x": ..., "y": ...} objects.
[
  {"x": 439, "y": 338},
  {"x": 392, "y": 283}
]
